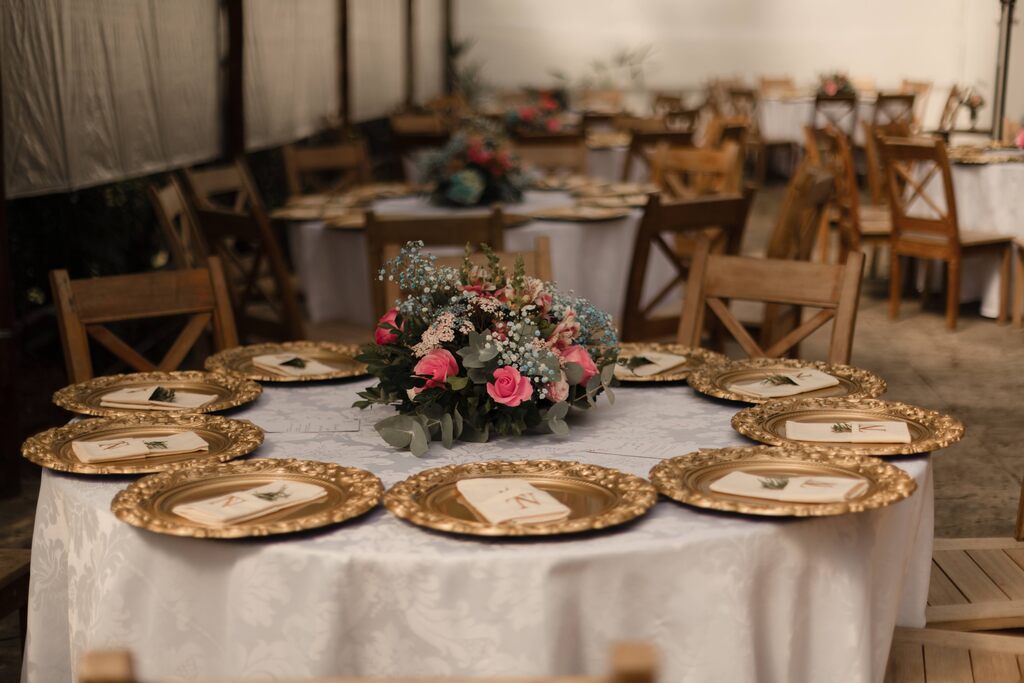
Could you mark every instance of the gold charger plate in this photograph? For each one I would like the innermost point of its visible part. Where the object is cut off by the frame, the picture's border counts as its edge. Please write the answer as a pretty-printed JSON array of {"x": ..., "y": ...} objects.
[
  {"x": 231, "y": 391},
  {"x": 688, "y": 478},
  {"x": 599, "y": 497},
  {"x": 228, "y": 439},
  {"x": 617, "y": 190},
  {"x": 148, "y": 503},
  {"x": 627, "y": 201},
  {"x": 716, "y": 380},
  {"x": 695, "y": 358},
  {"x": 929, "y": 430},
  {"x": 564, "y": 183},
  {"x": 239, "y": 360},
  {"x": 580, "y": 214},
  {"x": 326, "y": 213}
]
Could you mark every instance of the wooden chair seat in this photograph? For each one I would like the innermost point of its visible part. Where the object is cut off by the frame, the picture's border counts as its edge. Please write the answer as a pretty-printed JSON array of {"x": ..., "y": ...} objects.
[
  {"x": 875, "y": 212},
  {"x": 880, "y": 228},
  {"x": 936, "y": 655},
  {"x": 977, "y": 584}
]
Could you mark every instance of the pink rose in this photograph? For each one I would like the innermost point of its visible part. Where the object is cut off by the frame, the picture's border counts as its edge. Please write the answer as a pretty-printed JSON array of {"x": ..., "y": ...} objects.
[
  {"x": 527, "y": 113},
  {"x": 831, "y": 88},
  {"x": 553, "y": 125},
  {"x": 580, "y": 356},
  {"x": 437, "y": 366},
  {"x": 382, "y": 335},
  {"x": 479, "y": 155},
  {"x": 565, "y": 331},
  {"x": 509, "y": 388},
  {"x": 1020, "y": 138},
  {"x": 558, "y": 391}
]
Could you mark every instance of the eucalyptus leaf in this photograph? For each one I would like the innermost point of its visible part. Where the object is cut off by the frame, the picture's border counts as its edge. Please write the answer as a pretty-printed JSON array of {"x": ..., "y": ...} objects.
[
  {"x": 593, "y": 386},
  {"x": 447, "y": 430},
  {"x": 479, "y": 351},
  {"x": 473, "y": 435},
  {"x": 458, "y": 383},
  {"x": 574, "y": 373},
  {"x": 397, "y": 430},
  {"x": 457, "y": 422},
  {"x": 420, "y": 439},
  {"x": 607, "y": 374},
  {"x": 558, "y": 426},
  {"x": 557, "y": 411},
  {"x": 479, "y": 375}
]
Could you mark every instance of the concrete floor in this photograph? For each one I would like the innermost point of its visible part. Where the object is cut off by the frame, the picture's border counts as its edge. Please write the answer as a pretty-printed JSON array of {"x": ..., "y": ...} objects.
[{"x": 975, "y": 373}]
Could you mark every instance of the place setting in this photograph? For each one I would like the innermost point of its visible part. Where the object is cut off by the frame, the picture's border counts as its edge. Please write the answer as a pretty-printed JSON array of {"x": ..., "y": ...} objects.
[
  {"x": 580, "y": 213},
  {"x": 141, "y": 443},
  {"x": 657, "y": 362},
  {"x": 260, "y": 497},
  {"x": 290, "y": 362},
  {"x": 180, "y": 391},
  {"x": 524, "y": 498},
  {"x": 857, "y": 425},
  {"x": 756, "y": 380}
]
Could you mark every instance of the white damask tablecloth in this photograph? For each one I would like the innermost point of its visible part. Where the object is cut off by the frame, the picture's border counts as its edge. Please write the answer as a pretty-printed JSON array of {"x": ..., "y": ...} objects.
[
  {"x": 591, "y": 259},
  {"x": 782, "y": 119},
  {"x": 724, "y": 597}
]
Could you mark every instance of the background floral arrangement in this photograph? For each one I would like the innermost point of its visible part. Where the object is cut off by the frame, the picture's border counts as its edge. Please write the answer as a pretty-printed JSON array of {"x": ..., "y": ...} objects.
[
  {"x": 543, "y": 116},
  {"x": 835, "y": 84},
  {"x": 475, "y": 167},
  {"x": 476, "y": 351}
]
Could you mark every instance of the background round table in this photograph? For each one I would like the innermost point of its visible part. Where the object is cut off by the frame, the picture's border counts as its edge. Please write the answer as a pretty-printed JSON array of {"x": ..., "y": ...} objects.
[{"x": 723, "y": 597}]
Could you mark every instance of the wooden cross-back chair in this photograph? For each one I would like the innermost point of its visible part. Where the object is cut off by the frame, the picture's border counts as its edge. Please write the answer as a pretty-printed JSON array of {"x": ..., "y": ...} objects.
[
  {"x": 947, "y": 120},
  {"x": 894, "y": 108},
  {"x": 643, "y": 143},
  {"x": 688, "y": 172},
  {"x": 85, "y": 308},
  {"x": 873, "y": 160},
  {"x": 394, "y": 231},
  {"x": 411, "y": 132},
  {"x": 829, "y": 149},
  {"x": 807, "y": 197},
  {"x": 926, "y": 655},
  {"x": 776, "y": 85},
  {"x": 725, "y": 214},
  {"x": 666, "y": 102},
  {"x": 921, "y": 90},
  {"x": 925, "y": 224},
  {"x": 836, "y": 110},
  {"x": 630, "y": 663},
  {"x": 236, "y": 228},
  {"x": 683, "y": 120},
  {"x": 306, "y": 168},
  {"x": 553, "y": 153},
  {"x": 744, "y": 104},
  {"x": 178, "y": 224},
  {"x": 536, "y": 263},
  {"x": 717, "y": 279}
]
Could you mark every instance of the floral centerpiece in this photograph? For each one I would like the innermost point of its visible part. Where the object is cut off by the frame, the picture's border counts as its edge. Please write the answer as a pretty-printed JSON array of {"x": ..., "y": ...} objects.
[
  {"x": 973, "y": 100},
  {"x": 543, "y": 116},
  {"x": 836, "y": 85},
  {"x": 475, "y": 167},
  {"x": 476, "y": 351}
]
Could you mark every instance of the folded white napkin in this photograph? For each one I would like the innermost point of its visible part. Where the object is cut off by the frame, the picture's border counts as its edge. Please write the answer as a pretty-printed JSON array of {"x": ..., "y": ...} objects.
[
  {"x": 124, "y": 449},
  {"x": 242, "y": 506},
  {"x": 787, "y": 383},
  {"x": 501, "y": 500},
  {"x": 290, "y": 365},
  {"x": 659, "y": 362},
  {"x": 110, "y": 450},
  {"x": 790, "y": 489},
  {"x": 849, "y": 432},
  {"x": 141, "y": 398}
]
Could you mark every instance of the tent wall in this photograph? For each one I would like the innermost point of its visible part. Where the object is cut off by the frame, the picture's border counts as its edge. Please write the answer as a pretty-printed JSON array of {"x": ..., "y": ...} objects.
[{"x": 377, "y": 53}]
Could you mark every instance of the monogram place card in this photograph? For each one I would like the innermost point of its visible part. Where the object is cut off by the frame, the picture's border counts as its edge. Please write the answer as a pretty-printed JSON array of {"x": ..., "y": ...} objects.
[
  {"x": 656, "y": 363},
  {"x": 242, "y": 506},
  {"x": 849, "y": 432},
  {"x": 787, "y": 383},
  {"x": 154, "y": 398},
  {"x": 790, "y": 489},
  {"x": 110, "y": 450},
  {"x": 290, "y": 365},
  {"x": 501, "y": 500}
]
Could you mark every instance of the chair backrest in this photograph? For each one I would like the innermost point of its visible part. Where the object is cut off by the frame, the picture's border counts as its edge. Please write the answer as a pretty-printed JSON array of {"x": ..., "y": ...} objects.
[
  {"x": 85, "y": 307},
  {"x": 178, "y": 224},
  {"x": 716, "y": 279},
  {"x": 735, "y": 128},
  {"x": 830, "y": 150},
  {"x": 950, "y": 109},
  {"x": 236, "y": 228},
  {"x": 385, "y": 231},
  {"x": 687, "y": 172},
  {"x": 665, "y": 102},
  {"x": 305, "y": 168},
  {"x": 726, "y": 213},
  {"x": 643, "y": 143},
  {"x": 807, "y": 197},
  {"x": 744, "y": 102},
  {"x": 412, "y": 132},
  {"x": 776, "y": 85},
  {"x": 872, "y": 159},
  {"x": 920, "y": 186},
  {"x": 837, "y": 110},
  {"x": 921, "y": 90},
  {"x": 608, "y": 100},
  {"x": 553, "y": 153},
  {"x": 537, "y": 263},
  {"x": 631, "y": 662},
  {"x": 894, "y": 109},
  {"x": 683, "y": 119},
  {"x": 633, "y": 124}
]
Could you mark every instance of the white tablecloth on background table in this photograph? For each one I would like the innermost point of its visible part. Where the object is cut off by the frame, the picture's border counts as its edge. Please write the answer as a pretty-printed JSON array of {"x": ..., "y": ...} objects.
[
  {"x": 723, "y": 597},
  {"x": 783, "y": 119},
  {"x": 603, "y": 163},
  {"x": 591, "y": 259}
]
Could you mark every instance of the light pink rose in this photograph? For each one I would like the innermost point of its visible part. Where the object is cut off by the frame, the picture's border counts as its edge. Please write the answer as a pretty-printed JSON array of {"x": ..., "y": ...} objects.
[
  {"x": 565, "y": 331},
  {"x": 384, "y": 336},
  {"x": 437, "y": 366},
  {"x": 1020, "y": 138},
  {"x": 558, "y": 391},
  {"x": 509, "y": 388},
  {"x": 580, "y": 356}
]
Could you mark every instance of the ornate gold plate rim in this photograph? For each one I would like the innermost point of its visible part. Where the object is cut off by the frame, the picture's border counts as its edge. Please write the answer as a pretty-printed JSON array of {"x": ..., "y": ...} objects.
[
  {"x": 355, "y": 492},
  {"x": 702, "y": 357},
  {"x": 633, "y": 496},
  {"x": 47, "y": 449},
  {"x": 930, "y": 430},
  {"x": 580, "y": 214},
  {"x": 237, "y": 360},
  {"x": 712, "y": 379},
  {"x": 686, "y": 479},
  {"x": 237, "y": 390}
]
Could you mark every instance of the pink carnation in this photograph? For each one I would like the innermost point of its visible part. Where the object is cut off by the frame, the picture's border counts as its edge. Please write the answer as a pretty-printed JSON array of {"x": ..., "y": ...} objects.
[
  {"x": 580, "y": 356},
  {"x": 437, "y": 366},
  {"x": 382, "y": 335},
  {"x": 509, "y": 387}
]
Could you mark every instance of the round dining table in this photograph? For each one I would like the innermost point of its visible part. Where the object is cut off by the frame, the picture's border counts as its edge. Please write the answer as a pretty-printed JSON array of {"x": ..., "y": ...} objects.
[{"x": 724, "y": 597}]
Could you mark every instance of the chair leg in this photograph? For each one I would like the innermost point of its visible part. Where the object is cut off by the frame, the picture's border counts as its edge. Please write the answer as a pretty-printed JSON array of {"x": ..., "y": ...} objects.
[
  {"x": 895, "y": 287},
  {"x": 953, "y": 294},
  {"x": 927, "y": 290},
  {"x": 1018, "y": 288},
  {"x": 823, "y": 234},
  {"x": 1004, "y": 286},
  {"x": 875, "y": 252}
]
